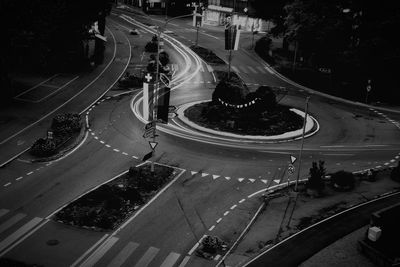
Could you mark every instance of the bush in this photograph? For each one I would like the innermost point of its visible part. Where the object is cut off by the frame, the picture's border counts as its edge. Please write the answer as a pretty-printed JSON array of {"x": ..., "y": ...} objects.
[
  {"x": 317, "y": 172},
  {"x": 144, "y": 181},
  {"x": 211, "y": 244},
  {"x": 164, "y": 58},
  {"x": 267, "y": 99},
  {"x": 343, "y": 180},
  {"x": 43, "y": 147},
  {"x": 395, "y": 173},
  {"x": 151, "y": 47},
  {"x": 232, "y": 91}
]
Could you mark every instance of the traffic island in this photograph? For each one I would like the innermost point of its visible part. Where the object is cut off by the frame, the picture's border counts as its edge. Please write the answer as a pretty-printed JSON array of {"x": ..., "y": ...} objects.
[
  {"x": 109, "y": 205},
  {"x": 207, "y": 55}
]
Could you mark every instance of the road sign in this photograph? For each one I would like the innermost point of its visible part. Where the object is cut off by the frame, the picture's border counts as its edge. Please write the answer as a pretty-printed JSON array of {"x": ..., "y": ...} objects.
[
  {"x": 153, "y": 145},
  {"x": 171, "y": 109},
  {"x": 164, "y": 79},
  {"x": 49, "y": 135},
  {"x": 149, "y": 133},
  {"x": 147, "y": 156},
  {"x": 292, "y": 159},
  {"x": 290, "y": 169},
  {"x": 369, "y": 87},
  {"x": 150, "y": 125}
]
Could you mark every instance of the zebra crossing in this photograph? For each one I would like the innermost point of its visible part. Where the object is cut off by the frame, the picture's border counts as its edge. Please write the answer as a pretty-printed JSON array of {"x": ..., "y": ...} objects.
[
  {"x": 16, "y": 226},
  {"x": 131, "y": 254},
  {"x": 240, "y": 69}
]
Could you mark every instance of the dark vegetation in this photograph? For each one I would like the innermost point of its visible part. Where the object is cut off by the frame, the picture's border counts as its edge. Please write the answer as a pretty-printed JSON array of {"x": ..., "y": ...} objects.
[
  {"x": 112, "y": 203},
  {"x": 207, "y": 55},
  {"x": 64, "y": 127},
  {"x": 235, "y": 109},
  {"x": 341, "y": 44}
]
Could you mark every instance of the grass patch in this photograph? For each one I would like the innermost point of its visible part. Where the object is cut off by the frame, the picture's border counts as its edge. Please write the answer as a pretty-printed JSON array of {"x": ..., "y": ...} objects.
[{"x": 106, "y": 207}]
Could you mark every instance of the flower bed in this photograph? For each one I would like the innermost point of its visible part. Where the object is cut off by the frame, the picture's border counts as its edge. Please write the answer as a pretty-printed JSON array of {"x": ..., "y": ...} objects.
[
  {"x": 64, "y": 127},
  {"x": 106, "y": 207}
]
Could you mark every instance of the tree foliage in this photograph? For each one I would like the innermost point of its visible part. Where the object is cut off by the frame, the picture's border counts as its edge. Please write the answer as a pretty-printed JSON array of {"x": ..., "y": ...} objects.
[{"x": 317, "y": 172}]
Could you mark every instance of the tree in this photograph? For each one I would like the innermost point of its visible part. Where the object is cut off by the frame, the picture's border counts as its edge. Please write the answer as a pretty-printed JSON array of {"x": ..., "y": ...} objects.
[
  {"x": 343, "y": 180},
  {"x": 317, "y": 172}
]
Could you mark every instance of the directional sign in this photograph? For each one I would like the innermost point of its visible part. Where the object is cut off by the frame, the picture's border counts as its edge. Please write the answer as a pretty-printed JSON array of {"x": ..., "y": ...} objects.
[
  {"x": 290, "y": 169},
  {"x": 153, "y": 144},
  {"x": 50, "y": 135},
  {"x": 164, "y": 79},
  {"x": 292, "y": 159},
  {"x": 147, "y": 156},
  {"x": 171, "y": 109},
  {"x": 150, "y": 125},
  {"x": 149, "y": 133}
]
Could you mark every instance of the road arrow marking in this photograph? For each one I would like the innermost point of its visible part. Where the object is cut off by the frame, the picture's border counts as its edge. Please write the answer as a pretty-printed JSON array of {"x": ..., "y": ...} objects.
[
  {"x": 215, "y": 176},
  {"x": 204, "y": 174},
  {"x": 193, "y": 173},
  {"x": 240, "y": 179}
]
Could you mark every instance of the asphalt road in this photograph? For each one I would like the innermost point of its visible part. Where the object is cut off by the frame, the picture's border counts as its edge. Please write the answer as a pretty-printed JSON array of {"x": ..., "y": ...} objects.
[{"x": 351, "y": 137}]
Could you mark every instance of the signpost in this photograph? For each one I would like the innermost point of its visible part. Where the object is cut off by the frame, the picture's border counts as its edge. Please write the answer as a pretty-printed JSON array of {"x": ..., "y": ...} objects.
[{"x": 150, "y": 130}]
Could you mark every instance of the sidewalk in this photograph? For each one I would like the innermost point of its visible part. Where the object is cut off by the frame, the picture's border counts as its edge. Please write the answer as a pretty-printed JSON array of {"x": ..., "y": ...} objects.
[{"x": 265, "y": 231}]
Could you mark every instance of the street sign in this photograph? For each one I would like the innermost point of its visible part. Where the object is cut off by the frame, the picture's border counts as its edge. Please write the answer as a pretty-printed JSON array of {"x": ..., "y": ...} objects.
[
  {"x": 49, "y": 135},
  {"x": 171, "y": 109},
  {"x": 147, "y": 156},
  {"x": 292, "y": 159},
  {"x": 164, "y": 79},
  {"x": 150, "y": 125},
  {"x": 290, "y": 169},
  {"x": 153, "y": 144},
  {"x": 149, "y": 133}
]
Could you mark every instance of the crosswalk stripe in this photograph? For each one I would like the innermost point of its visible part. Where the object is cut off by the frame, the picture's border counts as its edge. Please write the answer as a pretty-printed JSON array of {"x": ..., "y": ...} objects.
[
  {"x": 243, "y": 68},
  {"x": 10, "y": 222},
  {"x": 20, "y": 232},
  {"x": 185, "y": 261},
  {"x": 253, "y": 70},
  {"x": 170, "y": 260},
  {"x": 96, "y": 256},
  {"x": 235, "y": 69},
  {"x": 147, "y": 257},
  {"x": 3, "y": 212},
  {"x": 123, "y": 254},
  {"x": 261, "y": 69}
]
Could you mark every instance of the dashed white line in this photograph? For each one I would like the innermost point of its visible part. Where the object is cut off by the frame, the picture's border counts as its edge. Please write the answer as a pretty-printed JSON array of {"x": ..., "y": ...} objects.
[
  {"x": 211, "y": 228},
  {"x": 134, "y": 157},
  {"x": 101, "y": 141},
  {"x": 7, "y": 184},
  {"x": 226, "y": 213},
  {"x": 108, "y": 146},
  {"x": 116, "y": 150},
  {"x": 29, "y": 173},
  {"x": 243, "y": 200},
  {"x": 96, "y": 138},
  {"x": 124, "y": 153},
  {"x": 19, "y": 178},
  {"x": 234, "y": 206},
  {"x": 220, "y": 219}
]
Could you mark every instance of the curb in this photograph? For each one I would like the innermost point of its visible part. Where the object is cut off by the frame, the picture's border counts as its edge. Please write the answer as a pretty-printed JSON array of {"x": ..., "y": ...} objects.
[{"x": 312, "y": 127}]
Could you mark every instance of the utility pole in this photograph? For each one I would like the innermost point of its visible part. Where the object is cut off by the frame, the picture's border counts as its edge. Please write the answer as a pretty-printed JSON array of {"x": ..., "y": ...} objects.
[{"x": 302, "y": 143}]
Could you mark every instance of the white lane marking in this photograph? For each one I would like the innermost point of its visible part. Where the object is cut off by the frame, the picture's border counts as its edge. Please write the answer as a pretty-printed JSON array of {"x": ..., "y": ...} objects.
[
  {"x": 253, "y": 70},
  {"x": 3, "y": 212},
  {"x": 193, "y": 173},
  {"x": 108, "y": 145},
  {"x": 392, "y": 160},
  {"x": 96, "y": 138},
  {"x": 209, "y": 35},
  {"x": 196, "y": 245},
  {"x": 184, "y": 261},
  {"x": 204, "y": 174},
  {"x": 220, "y": 219},
  {"x": 226, "y": 212},
  {"x": 211, "y": 228},
  {"x": 227, "y": 178},
  {"x": 215, "y": 176},
  {"x": 75, "y": 263},
  {"x": 379, "y": 166},
  {"x": 123, "y": 255},
  {"x": 337, "y": 154},
  {"x": 264, "y": 181},
  {"x": 134, "y": 157},
  {"x": 270, "y": 70},
  {"x": 240, "y": 179},
  {"x": 235, "y": 69},
  {"x": 386, "y": 163},
  {"x": 10, "y": 222},
  {"x": 102, "y": 142},
  {"x": 233, "y": 207},
  {"x": 100, "y": 251},
  {"x": 242, "y": 200},
  {"x": 7, "y": 184},
  {"x": 17, "y": 234},
  {"x": 277, "y": 181},
  {"x": 209, "y": 68},
  {"x": 124, "y": 153},
  {"x": 29, "y": 173},
  {"x": 37, "y": 85},
  {"x": 252, "y": 180},
  {"x": 145, "y": 260},
  {"x": 170, "y": 260}
]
